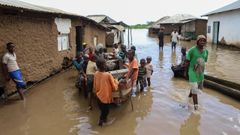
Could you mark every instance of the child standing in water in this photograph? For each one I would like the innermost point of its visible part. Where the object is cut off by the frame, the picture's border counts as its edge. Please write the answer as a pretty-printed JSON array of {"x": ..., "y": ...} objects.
[
  {"x": 142, "y": 71},
  {"x": 132, "y": 70},
  {"x": 104, "y": 84},
  {"x": 149, "y": 68},
  {"x": 91, "y": 69}
]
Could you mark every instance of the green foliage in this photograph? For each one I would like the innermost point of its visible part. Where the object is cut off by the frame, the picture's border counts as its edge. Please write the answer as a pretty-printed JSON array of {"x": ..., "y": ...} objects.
[
  {"x": 150, "y": 23},
  {"x": 142, "y": 26},
  {"x": 139, "y": 26}
]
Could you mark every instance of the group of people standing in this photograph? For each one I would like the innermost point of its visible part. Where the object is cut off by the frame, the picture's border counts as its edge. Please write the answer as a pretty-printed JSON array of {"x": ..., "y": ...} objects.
[{"x": 103, "y": 83}]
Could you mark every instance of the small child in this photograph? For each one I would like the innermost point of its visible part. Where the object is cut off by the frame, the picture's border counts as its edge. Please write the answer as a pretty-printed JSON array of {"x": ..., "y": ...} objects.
[
  {"x": 142, "y": 71},
  {"x": 149, "y": 68},
  {"x": 180, "y": 69},
  {"x": 122, "y": 53},
  {"x": 91, "y": 69},
  {"x": 133, "y": 48},
  {"x": 132, "y": 69},
  {"x": 184, "y": 53},
  {"x": 90, "y": 53},
  {"x": 104, "y": 84}
]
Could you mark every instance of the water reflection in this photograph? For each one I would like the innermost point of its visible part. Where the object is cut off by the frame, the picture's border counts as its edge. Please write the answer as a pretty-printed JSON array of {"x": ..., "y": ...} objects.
[
  {"x": 173, "y": 57},
  {"x": 190, "y": 126}
]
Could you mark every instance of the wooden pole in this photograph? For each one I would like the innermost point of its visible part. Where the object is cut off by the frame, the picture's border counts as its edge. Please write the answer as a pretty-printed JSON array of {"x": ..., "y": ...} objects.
[
  {"x": 128, "y": 38},
  {"x": 131, "y": 36},
  {"x": 131, "y": 100}
]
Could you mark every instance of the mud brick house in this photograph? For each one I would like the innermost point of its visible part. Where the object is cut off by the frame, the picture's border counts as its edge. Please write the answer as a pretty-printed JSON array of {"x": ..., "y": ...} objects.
[
  {"x": 44, "y": 36},
  {"x": 169, "y": 23},
  {"x": 116, "y": 35},
  {"x": 191, "y": 28},
  {"x": 155, "y": 27}
]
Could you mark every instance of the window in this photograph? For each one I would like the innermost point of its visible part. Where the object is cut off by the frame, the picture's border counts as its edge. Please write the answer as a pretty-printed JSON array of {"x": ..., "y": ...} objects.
[
  {"x": 95, "y": 40},
  {"x": 63, "y": 42},
  {"x": 209, "y": 29}
]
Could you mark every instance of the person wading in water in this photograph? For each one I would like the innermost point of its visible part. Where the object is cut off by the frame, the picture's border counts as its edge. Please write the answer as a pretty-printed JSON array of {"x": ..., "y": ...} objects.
[
  {"x": 195, "y": 61},
  {"x": 161, "y": 38}
]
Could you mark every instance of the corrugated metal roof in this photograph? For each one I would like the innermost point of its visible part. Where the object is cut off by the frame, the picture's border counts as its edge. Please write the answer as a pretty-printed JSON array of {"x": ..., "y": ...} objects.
[
  {"x": 28, "y": 6},
  {"x": 36, "y": 8},
  {"x": 156, "y": 24},
  {"x": 97, "y": 19},
  {"x": 235, "y": 5},
  {"x": 177, "y": 18},
  {"x": 100, "y": 18},
  {"x": 192, "y": 19}
]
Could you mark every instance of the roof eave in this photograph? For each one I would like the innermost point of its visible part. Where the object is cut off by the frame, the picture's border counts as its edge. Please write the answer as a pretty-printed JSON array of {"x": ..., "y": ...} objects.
[
  {"x": 212, "y": 13},
  {"x": 21, "y": 10},
  {"x": 95, "y": 23}
]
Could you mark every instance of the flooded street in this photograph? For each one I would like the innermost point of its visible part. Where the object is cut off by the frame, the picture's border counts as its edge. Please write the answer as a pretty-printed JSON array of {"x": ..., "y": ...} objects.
[{"x": 54, "y": 107}]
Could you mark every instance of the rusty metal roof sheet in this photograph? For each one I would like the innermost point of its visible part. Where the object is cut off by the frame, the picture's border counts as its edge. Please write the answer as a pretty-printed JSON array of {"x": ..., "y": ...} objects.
[
  {"x": 101, "y": 18},
  {"x": 156, "y": 24},
  {"x": 177, "y": 18},
  {"x": 35, "y": 8},
  {"x": 32, "y": 7}
]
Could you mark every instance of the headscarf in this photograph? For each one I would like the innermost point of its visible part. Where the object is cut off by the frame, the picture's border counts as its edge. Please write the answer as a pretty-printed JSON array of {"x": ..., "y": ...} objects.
[{"x": 200, "y": 37}]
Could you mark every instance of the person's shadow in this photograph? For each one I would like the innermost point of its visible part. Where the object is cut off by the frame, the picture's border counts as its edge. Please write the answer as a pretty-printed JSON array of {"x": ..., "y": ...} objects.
[{"x": 190, "y": 126}]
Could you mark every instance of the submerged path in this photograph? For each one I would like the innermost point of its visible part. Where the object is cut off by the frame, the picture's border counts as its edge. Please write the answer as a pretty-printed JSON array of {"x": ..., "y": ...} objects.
[{"x": 55, "y": 107}]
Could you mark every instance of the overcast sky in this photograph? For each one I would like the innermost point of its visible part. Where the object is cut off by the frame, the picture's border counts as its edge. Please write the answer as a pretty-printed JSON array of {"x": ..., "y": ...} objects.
[{"x": 134, "y": 11}]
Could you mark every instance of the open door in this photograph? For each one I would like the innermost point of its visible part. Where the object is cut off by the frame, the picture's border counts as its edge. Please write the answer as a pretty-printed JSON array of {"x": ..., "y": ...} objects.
[
  {"x": 215, "y": 32},
  {"x": 79, "y": 39}
]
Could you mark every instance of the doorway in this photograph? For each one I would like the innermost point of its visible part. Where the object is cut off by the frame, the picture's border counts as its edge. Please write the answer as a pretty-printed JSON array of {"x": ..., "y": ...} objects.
[
  {"x": 215, "y": 32},
  {"x": 79, "y": 39}
]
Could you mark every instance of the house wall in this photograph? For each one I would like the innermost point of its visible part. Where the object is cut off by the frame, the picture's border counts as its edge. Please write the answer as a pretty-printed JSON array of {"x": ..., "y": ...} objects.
[
  {"x": 229, "y": 27},
  {"x": 170, "y": 27},
  {"x": 36, "y": 45},
  {"x": 194, "y": 28},
  {"x": 201, "y": 27},
  {"x": 188, "y": 30},
  {"x": 153, "y": 31},
  {"x": 189, "y": 27},
  {"x": 90, "y": 31}
]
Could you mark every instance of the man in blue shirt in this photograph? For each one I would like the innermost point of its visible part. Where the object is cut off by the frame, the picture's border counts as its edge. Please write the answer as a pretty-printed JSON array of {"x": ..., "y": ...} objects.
[{"x": 78, "y": 62}]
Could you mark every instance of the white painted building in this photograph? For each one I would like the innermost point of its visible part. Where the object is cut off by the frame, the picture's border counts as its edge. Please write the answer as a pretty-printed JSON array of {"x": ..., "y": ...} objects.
[{"x": 224, "y": 25}]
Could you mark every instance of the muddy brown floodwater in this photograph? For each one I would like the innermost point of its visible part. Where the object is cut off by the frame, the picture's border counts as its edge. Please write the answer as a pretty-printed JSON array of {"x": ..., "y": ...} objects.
[{"x": 54, "y": 107}]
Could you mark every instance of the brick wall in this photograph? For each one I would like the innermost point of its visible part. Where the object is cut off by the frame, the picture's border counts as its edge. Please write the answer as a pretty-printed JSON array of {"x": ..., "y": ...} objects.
[
  {"x": 36, "y": 44},
  {"x": 90, "y": 31}
]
